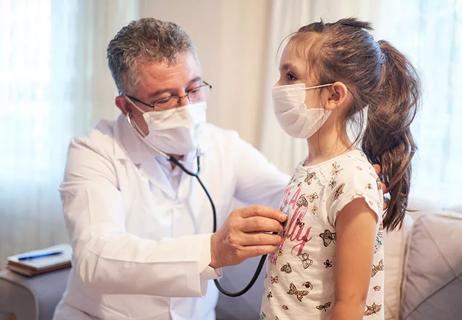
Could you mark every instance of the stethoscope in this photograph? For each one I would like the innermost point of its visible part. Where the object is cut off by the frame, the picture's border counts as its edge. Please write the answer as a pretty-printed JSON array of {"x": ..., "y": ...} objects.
[
  {"x": 262, "y": 259},
  {"x": 214, "y": 212}
]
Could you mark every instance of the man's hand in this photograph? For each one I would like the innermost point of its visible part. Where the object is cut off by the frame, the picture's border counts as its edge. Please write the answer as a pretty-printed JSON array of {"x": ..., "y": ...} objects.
[
  {"x": 247, "y": 232},
  {"x": 378, "y": 170}
]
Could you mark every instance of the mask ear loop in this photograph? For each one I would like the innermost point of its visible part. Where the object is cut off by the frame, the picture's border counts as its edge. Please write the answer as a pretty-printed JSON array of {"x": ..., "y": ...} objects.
[{"x": 134, "y": 125}]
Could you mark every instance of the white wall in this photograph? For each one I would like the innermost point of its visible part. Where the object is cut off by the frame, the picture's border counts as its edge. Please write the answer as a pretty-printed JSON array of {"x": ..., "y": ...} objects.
[{"x": 230, "y": 37}]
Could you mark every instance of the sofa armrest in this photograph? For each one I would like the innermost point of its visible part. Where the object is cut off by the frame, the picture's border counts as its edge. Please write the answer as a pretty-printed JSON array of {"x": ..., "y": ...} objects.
[{"x": 31, "y": 298}]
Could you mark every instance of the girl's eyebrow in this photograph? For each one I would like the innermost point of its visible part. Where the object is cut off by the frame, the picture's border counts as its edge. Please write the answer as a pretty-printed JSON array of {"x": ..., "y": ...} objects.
[{"x": 288, "y": 66}]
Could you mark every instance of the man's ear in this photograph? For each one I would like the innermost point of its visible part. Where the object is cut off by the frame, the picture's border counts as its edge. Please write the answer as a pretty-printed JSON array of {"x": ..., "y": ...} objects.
[
  {"x": 122, "y": 104},
  {"x": 338, "y": 95}
]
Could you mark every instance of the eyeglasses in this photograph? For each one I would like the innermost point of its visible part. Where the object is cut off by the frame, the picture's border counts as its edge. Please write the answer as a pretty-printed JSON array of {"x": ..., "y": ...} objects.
[{"x": 197, "y": 94}]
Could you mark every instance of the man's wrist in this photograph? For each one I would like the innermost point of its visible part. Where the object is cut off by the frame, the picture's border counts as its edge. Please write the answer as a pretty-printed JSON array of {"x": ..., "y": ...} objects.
[{"x": 213, "y": 260}]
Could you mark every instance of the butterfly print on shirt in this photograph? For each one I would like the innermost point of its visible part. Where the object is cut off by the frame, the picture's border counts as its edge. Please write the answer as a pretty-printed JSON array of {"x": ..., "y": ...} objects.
[
  {"x": 274, "y": 279},
  {"x": 338, "y": 191},
  {"x": 314, "y": 210},
  {"x": 328, "y": 263},
  {"x": 284, "y": 307},
  {"x": 377, "y": 288},
  {"x": 372, "y": 309},
  {"x": 309, "y": 177},
  {"x": 300, "y": 223},
  {"x": 269, "y": 295},
  {"x": 306, "y": 261},
  {"x": 308, "y": 285},
  {"x": 327, "y": 237},
  {"x": 323, "y": 307},
  {"x": 302, "y": 202},
  {"x": 298, "y": 293},
  {"x": 377, "y": 268},
  {"x": 378, "y": 241},
  {"x": 286, "y": 268},
  {"x": 335, "y": 169},
  {"x": 332, "y": 183},
  {"x": 313, "y": 197}
]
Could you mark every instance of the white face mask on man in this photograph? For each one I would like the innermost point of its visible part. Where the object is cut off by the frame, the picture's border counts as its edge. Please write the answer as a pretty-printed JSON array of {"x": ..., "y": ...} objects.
[
  {"x": 174, "y": 131},
  {"x": 293, "y": 115}
]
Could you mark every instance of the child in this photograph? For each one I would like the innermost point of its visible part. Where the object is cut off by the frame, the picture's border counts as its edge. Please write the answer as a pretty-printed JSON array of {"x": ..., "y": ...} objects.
[{"x": 330, "y": 262}]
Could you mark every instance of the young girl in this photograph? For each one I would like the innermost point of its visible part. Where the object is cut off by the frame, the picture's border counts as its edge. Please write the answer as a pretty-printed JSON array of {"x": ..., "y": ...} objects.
[{"x": 330, "y": 263}]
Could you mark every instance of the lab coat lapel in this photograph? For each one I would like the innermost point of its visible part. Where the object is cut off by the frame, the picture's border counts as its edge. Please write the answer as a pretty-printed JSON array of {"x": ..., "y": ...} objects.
[
  {"x": 130, "y": 147},
  {"x": 157, "y": 177}
]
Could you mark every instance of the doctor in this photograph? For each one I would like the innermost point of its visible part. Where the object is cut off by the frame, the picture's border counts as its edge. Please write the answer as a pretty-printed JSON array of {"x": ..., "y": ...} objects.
[{"x": 141, "y": 228}]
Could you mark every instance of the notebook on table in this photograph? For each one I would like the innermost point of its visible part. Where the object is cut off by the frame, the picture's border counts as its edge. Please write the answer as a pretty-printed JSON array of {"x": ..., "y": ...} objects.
[{"x": 37, "y": 262}]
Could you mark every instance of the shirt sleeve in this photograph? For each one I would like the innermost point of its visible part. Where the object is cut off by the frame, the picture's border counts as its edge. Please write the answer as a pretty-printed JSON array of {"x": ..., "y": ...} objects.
[
  {"x": 109, "y": 258},
  {"x": 350, "y": 182},
  {"x": 257, "y": 180}
]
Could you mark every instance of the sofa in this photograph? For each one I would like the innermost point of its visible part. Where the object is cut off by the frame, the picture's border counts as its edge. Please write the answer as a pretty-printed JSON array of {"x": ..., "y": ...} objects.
[{"x": 423, "y": 266}]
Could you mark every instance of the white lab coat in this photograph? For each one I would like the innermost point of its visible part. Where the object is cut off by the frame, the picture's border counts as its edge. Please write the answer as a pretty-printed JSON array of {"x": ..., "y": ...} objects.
[{"x": 141, "y": 232}]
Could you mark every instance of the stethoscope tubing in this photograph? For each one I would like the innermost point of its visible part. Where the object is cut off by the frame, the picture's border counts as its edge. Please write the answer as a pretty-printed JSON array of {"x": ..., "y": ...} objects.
[{"x": 212, "y": 204}]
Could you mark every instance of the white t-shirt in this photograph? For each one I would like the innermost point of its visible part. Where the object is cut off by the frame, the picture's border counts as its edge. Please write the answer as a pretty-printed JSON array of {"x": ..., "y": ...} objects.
[{"x": 300, "y": 279}]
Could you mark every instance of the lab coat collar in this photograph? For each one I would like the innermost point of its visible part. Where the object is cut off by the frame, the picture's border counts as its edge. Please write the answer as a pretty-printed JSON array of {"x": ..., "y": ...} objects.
[{"x": 128, "y": 146}]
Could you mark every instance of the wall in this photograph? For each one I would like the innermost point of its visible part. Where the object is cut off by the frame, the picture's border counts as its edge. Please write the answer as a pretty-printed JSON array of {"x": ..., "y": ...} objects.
[{"x": 230, "y": 37}]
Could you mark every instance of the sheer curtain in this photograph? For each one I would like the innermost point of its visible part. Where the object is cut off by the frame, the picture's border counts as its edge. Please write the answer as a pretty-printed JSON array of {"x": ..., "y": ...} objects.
[
  {"x": 430, "y": 34},
  {"x": 54, "y": 85}
]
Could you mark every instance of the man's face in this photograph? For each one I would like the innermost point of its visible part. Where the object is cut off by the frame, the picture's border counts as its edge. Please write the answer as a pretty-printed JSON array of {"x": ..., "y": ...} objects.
[{"x": 158, "y": 80}]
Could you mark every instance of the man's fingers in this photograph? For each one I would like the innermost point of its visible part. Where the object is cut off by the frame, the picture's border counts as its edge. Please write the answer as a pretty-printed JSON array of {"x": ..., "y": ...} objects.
[
  {"x": 261, "y": 224},
  {"x": 384, "y": 187},
  {"x": 385, "y": 203},
  {"x": 253, "y": 251},
  {"x": 262, "y": 212},
  {"x": 378, "y": 170},
  {"x": 260, "y": 239}
]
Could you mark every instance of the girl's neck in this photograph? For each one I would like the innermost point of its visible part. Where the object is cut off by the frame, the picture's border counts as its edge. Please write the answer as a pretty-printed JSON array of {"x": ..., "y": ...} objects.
[{"x": 327, "y": 144}]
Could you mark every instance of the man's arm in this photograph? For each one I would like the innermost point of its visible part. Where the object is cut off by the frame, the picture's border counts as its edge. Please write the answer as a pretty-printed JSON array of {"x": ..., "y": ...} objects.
[
  {"x": 106, "y": 255},
  {"x": 109, "y": 258}
]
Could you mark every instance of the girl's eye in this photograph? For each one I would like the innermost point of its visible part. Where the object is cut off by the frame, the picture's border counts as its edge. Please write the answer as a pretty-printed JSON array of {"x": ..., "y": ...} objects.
[{"x": 290, "y": 76}]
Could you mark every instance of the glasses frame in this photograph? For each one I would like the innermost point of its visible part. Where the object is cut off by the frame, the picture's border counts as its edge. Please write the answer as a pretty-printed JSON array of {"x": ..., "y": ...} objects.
[{"x": 177, "y": 97}]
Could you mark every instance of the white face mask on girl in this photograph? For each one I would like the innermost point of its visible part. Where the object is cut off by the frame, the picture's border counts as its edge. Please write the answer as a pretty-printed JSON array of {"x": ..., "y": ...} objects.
[
  {"x": 175, "y": 131},
  {"x": 292, "y": 113}
]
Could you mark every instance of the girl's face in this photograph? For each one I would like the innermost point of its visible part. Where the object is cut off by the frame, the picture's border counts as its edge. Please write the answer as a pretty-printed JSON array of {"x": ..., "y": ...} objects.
[{"x": 294, "y": 68}]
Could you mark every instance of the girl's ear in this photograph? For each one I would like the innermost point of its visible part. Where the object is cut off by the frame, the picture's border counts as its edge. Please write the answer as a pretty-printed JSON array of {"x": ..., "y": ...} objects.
[
  {"x": 122, "y": 104},
  {"x": 338, "y": 95}
]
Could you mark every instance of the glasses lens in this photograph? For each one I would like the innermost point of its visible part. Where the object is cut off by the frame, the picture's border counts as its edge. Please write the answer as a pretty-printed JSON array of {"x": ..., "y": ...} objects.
[
  {"x": 199, "y": 94},
  {"x": 167, "y": 103}
]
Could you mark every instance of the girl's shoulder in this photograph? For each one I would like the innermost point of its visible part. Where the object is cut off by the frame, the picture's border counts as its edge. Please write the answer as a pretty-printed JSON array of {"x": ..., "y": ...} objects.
[
  {"x": 351, "y": 176},
  {"x": 351, "y": 165}
]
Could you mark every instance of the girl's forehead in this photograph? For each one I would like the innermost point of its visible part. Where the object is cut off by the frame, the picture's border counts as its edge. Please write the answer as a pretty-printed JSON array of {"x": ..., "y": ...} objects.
[{"x": 298, "y": 50}]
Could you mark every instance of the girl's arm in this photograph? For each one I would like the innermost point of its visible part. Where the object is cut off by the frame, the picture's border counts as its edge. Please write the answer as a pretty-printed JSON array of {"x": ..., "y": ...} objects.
[{"x": 356, "y": 227}]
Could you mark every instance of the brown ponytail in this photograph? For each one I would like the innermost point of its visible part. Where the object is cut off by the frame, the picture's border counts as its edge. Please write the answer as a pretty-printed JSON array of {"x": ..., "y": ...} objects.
[
  {"x": 387, "y": 139},
  {"x": 380, "y": 78}
]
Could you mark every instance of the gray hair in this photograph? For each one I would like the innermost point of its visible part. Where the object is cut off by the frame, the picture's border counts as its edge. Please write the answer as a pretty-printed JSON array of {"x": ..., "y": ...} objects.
[{"x": 146, "y": 39}]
